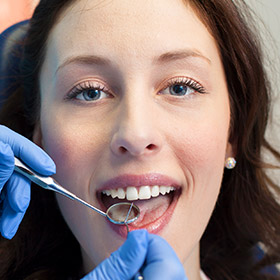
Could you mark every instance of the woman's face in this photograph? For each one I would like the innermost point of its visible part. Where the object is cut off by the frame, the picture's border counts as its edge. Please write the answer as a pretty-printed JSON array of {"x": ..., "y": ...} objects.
[{"x": 134, "y": 98}]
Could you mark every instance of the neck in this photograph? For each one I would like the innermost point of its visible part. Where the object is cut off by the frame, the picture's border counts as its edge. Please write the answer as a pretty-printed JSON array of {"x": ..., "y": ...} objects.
[{"x": 192, "y": 265}]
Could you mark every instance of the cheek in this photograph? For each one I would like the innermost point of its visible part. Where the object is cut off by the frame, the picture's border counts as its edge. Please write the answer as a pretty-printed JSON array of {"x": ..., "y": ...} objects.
[
  {"x": 202, "y": 147},
  {"x": 77, "y": 149},
  {"x": 201, "y": 158},
  {"x": 74, "y": 148},
  {"x": 200, "y": 151}
]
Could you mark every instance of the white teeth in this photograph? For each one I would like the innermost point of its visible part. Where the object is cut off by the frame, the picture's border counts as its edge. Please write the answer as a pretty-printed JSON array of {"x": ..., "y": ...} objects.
[
  {"x": 163, "y": 190},
  {"x": 132, "y": 193},
  {"x": 107, "y": 192},
  {"x": 155, "y": 191},
  {"x": 114, "y": 193},
  {"x": 121, "y": 193},
  {"x": 144, "y": 192}
]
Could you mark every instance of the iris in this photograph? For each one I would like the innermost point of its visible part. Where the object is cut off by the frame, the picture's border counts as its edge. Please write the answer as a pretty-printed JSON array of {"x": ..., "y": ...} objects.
[
  {"x": 178, "y": 90},
  {"x": 91, "y": 94}
]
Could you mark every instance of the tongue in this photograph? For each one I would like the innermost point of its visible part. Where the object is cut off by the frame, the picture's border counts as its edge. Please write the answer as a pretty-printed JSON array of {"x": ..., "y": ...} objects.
[{"x": 150, "y": 209}]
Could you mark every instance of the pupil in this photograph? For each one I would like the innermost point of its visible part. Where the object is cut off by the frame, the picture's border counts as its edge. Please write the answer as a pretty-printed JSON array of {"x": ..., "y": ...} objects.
[{"x": 178, "y": 90}]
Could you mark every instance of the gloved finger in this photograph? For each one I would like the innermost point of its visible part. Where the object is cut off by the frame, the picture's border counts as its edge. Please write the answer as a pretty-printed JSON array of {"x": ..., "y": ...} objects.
[
  {"x": 162, "y": 262},
  {"x": 10, "y": 221},
  {"x": 27, "y": 151},
  {"x": 18, "y": 192},
  {"x": 125, "y": 262},
  {"x": 6, "y": 163}
]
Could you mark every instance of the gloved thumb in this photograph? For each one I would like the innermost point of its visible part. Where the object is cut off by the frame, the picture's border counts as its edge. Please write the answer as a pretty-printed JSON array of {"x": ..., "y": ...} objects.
[
  {"x": 126, "y": 261},
  {"x": 162, "y": 263}
]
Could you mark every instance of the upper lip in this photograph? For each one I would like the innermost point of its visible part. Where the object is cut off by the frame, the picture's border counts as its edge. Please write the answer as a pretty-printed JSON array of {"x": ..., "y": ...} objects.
[{"x": 129, "y": 180}]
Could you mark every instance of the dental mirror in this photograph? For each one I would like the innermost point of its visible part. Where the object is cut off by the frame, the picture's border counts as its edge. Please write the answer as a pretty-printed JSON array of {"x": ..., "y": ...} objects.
[{"x": 122, "y": 213}]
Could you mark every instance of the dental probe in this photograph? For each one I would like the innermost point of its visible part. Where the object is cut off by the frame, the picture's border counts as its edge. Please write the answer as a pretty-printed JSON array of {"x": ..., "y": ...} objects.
[
  {"x": 122, "y": 213},
  {"x": 126, "y": 218}
]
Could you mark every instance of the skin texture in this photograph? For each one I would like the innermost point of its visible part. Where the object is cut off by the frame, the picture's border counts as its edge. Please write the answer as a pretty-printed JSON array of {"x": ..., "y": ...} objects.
[{"x": 137, "y": 127}]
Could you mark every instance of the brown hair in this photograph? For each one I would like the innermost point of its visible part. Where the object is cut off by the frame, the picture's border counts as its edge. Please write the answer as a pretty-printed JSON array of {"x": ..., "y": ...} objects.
[{"x": 246, "y": 213}]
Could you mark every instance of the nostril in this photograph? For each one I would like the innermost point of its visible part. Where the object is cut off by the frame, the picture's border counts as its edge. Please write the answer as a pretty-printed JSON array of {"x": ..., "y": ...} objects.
[
  {"x": 151, "y": 147},
  {"x": 133, "y": 150},
  {"x": 122, "y": 150}
]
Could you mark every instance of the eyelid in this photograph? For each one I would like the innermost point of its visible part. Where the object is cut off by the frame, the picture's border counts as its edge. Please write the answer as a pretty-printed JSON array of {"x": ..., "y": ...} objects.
[
  {"x": 87, "y": 84},
  {"x": 184, "y": 80},
  {"x": 101, "y": 85}
]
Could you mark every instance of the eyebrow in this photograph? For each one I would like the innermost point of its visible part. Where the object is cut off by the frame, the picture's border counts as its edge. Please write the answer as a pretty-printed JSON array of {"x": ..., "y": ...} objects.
[
  {"x": 86, "y": 60},
  {"x": 163, "y": 58},
  {"x": 179, "y": 55}
]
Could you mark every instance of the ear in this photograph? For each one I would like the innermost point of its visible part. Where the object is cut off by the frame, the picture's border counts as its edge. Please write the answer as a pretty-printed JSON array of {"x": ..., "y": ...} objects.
[{"x": 37, "y": 135}]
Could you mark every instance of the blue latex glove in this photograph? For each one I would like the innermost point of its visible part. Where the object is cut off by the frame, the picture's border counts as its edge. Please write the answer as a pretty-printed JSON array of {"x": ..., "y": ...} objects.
[
  {"x": 144, "y": 252},
  {"x": 161, "y": 261},
  {"x": 14, "y": 188}
]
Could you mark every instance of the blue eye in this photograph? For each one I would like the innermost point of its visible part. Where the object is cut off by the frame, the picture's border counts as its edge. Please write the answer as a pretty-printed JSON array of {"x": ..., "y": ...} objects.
[
  {"x": 89, "y": 92},
  {"x": 180, "y": 90},
  {"x": 182, "y": 87}
]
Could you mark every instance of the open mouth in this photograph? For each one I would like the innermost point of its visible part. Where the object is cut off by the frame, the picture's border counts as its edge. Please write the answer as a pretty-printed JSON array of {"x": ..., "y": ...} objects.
[{"x": 156, "y": 204}]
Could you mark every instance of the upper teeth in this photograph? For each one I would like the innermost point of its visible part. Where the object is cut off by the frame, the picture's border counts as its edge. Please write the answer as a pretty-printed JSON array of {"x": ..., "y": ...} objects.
[{"x": 132, "y": 193}]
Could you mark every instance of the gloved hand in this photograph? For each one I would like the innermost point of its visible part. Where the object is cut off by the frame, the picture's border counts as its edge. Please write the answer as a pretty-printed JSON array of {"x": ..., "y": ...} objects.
[
  {"x": 144, "y": 252},
  {"x": 14, "y": 188},
  {"x": 161, "y": 261}
]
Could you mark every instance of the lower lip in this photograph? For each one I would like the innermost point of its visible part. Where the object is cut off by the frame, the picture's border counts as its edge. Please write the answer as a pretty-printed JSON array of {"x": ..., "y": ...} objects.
[{"x": 153, "y": 227}]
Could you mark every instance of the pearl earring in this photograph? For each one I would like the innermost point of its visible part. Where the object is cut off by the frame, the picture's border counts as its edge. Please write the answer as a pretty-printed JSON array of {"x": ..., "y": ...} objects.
[{"x": 230, "y": 163}]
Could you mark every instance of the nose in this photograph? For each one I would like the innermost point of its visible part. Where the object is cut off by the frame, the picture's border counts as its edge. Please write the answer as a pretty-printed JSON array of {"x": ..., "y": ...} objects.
[{"x": 136, "y": 132}]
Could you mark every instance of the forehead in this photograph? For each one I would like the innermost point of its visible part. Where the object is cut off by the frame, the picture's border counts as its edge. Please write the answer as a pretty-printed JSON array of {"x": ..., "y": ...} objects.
[{"x": 130, "y": 31}]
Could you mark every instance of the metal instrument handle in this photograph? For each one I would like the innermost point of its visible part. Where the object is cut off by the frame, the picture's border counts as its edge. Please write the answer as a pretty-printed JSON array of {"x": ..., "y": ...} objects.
[{"x": 49, "y": 183}]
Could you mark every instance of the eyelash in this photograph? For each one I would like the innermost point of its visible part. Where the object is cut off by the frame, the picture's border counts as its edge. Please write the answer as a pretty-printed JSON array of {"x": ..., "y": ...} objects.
[
  {"x": 89, "y": 85},
  {"x": 187, "y": 82}
]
